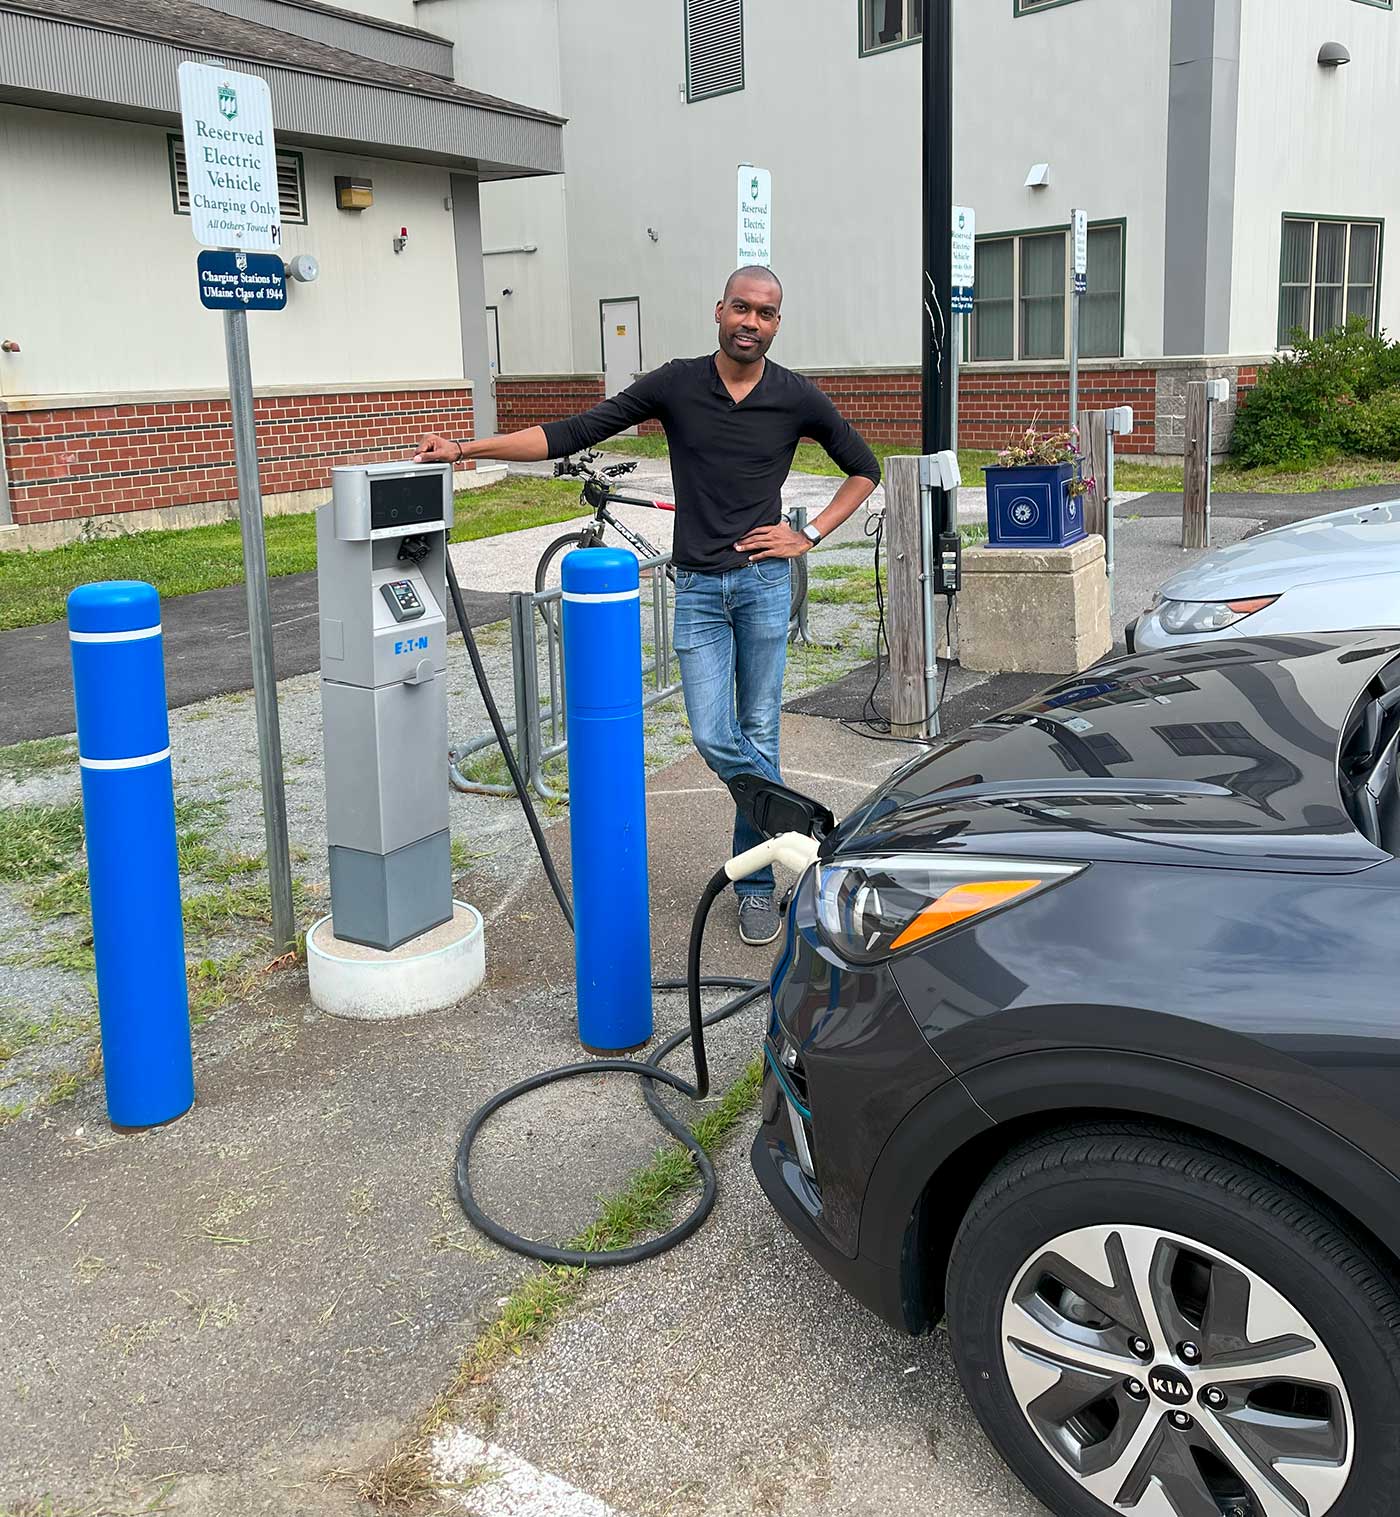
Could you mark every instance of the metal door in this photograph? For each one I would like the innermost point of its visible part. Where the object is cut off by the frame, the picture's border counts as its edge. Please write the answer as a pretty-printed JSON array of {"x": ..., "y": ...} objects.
[{"x": 622, "y": 344}]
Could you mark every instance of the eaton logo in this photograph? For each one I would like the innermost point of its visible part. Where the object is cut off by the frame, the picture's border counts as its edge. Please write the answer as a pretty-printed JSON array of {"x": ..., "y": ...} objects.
[{"x": 411, "y": 645}]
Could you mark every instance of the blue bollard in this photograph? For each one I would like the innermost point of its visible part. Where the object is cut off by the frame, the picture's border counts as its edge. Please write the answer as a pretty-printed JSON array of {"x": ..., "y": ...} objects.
[
  {"x": 138, "y": 933},
  {"x": 607, "y": 799}
]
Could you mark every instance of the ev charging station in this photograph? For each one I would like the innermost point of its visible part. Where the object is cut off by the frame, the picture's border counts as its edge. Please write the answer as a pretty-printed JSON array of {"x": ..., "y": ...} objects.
[{"x": 381, "y": 566}]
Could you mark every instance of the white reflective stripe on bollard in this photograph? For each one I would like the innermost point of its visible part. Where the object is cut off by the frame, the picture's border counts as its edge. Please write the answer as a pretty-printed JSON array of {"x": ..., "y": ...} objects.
[
  {"x": 114, "y": 637},
  {"x": 581, "y": 598},
  {"x": 124, "y": 763}
]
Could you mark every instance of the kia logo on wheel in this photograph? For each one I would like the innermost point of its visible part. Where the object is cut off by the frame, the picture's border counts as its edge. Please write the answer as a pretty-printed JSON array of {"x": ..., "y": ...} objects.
[{"x": 1173, "y": 1387}]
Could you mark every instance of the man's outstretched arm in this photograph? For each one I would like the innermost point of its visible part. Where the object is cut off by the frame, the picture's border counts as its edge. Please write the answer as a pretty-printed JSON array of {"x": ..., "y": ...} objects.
[{"x": 639, "y": 402}]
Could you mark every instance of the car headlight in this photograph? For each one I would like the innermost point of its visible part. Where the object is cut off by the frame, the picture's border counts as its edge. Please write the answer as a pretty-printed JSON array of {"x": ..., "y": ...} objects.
[
  {"x": 870, "y": 908},
  {"x": 1208, "y": 615}
]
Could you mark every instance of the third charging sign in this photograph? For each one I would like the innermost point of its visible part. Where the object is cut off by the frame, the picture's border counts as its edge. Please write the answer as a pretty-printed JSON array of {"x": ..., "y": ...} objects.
[{"x": 230, "y": 158}]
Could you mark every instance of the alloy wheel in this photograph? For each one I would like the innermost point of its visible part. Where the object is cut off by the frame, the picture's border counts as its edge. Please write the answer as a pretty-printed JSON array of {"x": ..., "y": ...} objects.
[{"x": 1171, "y": 1381}]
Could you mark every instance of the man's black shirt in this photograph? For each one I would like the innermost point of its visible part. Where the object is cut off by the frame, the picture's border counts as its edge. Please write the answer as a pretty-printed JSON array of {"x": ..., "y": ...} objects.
[{"x": 728, "y": 459}]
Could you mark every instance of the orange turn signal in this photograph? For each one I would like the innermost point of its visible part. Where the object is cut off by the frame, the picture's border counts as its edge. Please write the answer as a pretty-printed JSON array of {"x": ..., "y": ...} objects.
[
  {"x": 1247, "y": 607},
  {"x": 959, "y": 903}
]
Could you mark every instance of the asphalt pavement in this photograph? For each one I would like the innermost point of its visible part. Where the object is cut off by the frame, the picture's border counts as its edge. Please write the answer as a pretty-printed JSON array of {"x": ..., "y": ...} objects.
[{"x": 206, "y": 651}]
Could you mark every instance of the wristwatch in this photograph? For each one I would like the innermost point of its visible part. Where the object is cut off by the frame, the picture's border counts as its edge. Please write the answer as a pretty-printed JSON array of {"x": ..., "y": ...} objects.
[{"x": 812, "y": 533}]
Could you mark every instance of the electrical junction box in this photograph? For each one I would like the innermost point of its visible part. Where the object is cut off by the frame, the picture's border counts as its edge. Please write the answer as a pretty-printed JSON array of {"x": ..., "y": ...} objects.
[
  {"x": 381, "y": 566},
  {"x": 1217, "y": 389},
  {"x": 1120, "y": 421}
]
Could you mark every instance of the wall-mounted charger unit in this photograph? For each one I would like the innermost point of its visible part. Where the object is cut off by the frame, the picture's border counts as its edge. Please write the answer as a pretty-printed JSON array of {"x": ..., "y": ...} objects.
[
  {"x": 947, "y": 564},
  {"x": 353, "y": 194}
]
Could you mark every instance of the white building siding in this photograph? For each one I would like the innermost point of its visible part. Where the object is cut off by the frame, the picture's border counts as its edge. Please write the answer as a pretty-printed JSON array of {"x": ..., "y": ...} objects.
[
  {"x": 85, "y": 204},
  {"x": 839, "y": 132},
  {"x": 511, "y": 48},
  {"x": 1313, "y": 142},
  {"x": 1084, "y": 88}
]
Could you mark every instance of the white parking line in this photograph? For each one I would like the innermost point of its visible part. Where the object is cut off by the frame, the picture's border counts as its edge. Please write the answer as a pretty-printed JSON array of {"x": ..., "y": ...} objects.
[{"x": 498, "y": 1484}]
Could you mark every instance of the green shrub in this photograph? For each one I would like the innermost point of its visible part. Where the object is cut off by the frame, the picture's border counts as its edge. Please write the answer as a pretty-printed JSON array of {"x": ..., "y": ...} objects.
[
  {"x": 1306, "y": 404},
  {"x": 1372, "y": 427}
]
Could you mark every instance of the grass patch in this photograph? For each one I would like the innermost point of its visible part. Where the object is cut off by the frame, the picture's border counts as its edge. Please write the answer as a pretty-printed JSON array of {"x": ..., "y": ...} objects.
[
  {"x": 35, "y": 585},
  {"x": 406, "y": 1482},
  {"x": 22, "y": 761},
  {"x": 652, "y": 445},
  {"x": 38, "y": 841},
  {"x": 463, "y": 857}
]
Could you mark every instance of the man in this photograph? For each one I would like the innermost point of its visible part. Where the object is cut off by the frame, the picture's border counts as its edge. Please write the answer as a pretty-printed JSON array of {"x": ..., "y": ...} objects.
[{"x": 732, "y": 420}]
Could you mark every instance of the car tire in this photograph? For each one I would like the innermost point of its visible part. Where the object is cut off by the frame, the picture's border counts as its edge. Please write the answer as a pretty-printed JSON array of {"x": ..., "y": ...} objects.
[{"x": 1198, "y": 1231}]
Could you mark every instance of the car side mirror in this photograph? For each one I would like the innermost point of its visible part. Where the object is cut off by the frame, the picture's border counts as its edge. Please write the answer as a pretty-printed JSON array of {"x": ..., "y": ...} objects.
[{"x": 773, "y": 809}]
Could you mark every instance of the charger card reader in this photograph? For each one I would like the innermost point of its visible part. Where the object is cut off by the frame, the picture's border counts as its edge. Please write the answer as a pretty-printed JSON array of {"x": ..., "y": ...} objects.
[{"x": 404, "y": 601}]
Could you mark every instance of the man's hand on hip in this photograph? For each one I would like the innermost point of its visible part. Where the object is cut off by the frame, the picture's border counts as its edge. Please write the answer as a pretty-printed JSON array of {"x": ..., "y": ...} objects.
[{"x": 773, "y": 542}]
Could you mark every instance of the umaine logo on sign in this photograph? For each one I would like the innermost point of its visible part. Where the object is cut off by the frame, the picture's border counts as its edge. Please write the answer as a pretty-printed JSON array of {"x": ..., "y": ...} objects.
[{"x": 228, "y": 101}]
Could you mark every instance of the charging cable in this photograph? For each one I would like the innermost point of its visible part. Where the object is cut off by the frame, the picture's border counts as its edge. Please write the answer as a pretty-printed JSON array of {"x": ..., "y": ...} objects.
[{"x": 793, "y": 850}]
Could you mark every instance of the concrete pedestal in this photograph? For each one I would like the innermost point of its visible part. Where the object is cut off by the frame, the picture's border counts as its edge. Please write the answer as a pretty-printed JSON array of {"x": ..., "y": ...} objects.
[
  {"x": 428, "y": 973},
  {"x": 1034, "y": 610}
]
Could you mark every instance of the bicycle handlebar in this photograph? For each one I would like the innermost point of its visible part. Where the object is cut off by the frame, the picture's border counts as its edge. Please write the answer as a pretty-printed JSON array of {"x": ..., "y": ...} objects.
[{"x": 582, "y": 467}]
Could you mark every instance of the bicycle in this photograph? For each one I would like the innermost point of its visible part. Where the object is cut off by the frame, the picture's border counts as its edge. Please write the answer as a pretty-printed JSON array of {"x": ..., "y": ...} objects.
[{"x": 597, "y": 495}]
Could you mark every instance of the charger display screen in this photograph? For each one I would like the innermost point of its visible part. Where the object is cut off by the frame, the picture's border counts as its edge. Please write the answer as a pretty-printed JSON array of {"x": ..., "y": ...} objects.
[{"x": 406, "y": 501}]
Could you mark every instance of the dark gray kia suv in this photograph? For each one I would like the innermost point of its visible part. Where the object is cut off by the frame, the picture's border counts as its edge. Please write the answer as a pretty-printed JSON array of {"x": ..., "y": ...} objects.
[{"x": 1086, "y": 1034}]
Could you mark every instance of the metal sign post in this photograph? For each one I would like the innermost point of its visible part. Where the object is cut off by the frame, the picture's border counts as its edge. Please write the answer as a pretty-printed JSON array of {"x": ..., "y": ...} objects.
[
  {"x": 1080, "y": 226},
  {"x": 231, "y": 159}
]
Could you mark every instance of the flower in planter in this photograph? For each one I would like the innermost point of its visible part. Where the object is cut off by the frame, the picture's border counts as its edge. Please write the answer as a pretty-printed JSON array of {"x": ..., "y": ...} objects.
[{"x": 1048, "y": 450}]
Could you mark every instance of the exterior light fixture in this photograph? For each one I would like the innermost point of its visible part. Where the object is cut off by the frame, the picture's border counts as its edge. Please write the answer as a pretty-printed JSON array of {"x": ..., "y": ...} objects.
[
  {"x": 1333, "y": 55},
  {"x": 353, "y": 194}
]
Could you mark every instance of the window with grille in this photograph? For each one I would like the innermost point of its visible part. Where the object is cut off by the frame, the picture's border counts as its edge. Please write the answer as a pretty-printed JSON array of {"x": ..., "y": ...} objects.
[
  {"x": 714, "y": 48},
  {"x": 889, "y": 23},
  {"x": 291, "y": 182},
  {"x": 1328, "y": 274},
  {"x": 1020, "y": 308}
]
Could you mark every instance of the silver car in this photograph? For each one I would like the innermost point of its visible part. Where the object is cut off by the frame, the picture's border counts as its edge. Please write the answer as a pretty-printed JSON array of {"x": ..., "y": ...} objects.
[{"x": 1333, "y": 573}]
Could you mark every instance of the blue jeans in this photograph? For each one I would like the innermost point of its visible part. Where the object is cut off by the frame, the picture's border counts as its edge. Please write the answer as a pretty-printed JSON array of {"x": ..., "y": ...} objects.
[{"x": 731, "y": 640}]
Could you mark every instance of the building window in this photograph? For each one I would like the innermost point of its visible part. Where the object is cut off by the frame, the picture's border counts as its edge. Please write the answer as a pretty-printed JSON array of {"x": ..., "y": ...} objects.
[
  {"x": 1101, "y": 309},
  {"x": 889, "y": 23},
  {"x": 994, "y": 300},
  {"x": 714, "y": 48},
  {"x": 1042, "y": 287},
  {"x": 1385, "y": 5},
  {"x": 1019, "y": 305},
  {"x": 1328, "y": 273},
  {"x": 291, "y": 182},
  {"x": 1030, "y": 7}
]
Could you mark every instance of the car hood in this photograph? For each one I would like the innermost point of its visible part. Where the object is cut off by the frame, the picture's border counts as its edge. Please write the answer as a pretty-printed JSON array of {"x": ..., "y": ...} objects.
[
  {"x": 1220, "y": 754},
  {"x": 1344, "y": 545}
]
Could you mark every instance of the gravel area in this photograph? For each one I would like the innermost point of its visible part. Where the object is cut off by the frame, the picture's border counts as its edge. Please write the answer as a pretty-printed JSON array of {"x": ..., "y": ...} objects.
[{"x": 48, "y": 1028}]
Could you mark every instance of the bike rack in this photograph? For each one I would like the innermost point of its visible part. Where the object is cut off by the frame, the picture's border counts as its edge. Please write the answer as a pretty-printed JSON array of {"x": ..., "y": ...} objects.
[{"x": 542, "y": 735}]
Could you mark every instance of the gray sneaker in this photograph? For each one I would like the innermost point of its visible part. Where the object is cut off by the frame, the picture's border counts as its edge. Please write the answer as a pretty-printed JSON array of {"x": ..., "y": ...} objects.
[{"x": 759, "y": 921}]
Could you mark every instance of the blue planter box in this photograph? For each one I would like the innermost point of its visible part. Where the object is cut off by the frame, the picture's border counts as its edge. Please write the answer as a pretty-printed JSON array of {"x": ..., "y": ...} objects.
[{"x": 1032, "y": 508}]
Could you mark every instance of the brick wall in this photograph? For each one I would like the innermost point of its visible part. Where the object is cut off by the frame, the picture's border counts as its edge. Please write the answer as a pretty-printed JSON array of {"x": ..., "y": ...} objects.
[
  {"x": 532, "y": 400},
  {"x": 994, "y": 404},
  {"x": 883, "y": 405},
  {"x": 71, "y": 462}
]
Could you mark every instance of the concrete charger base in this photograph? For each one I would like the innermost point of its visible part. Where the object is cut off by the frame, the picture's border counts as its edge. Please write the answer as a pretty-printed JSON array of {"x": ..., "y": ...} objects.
[{"x": 428, "y": 973}]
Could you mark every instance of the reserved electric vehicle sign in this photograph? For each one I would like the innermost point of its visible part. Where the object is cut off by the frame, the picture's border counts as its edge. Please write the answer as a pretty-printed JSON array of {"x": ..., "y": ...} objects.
[{"x": 230, "y": 158}]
